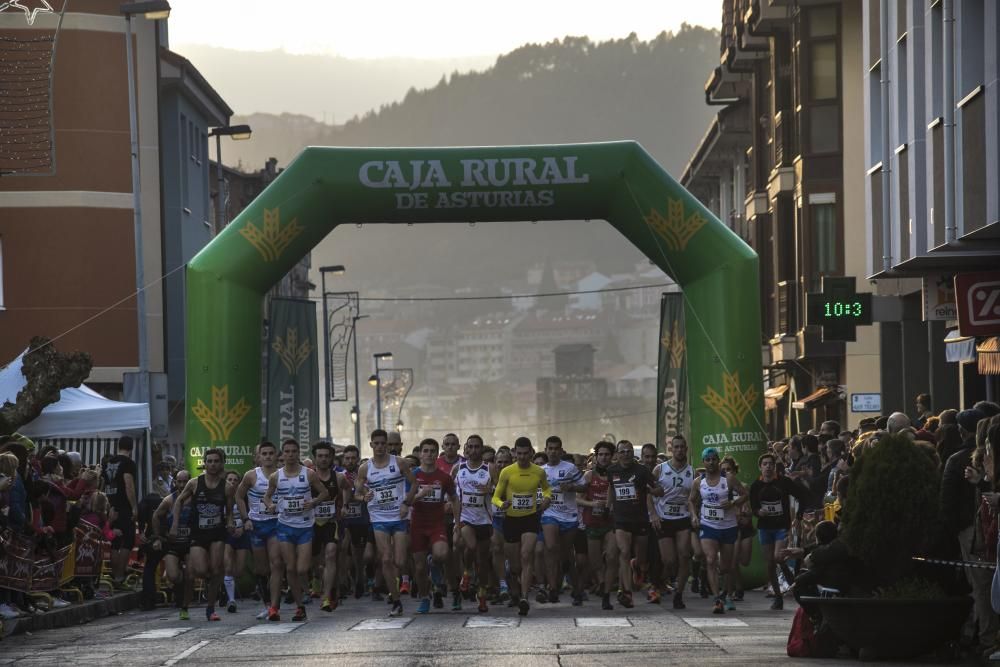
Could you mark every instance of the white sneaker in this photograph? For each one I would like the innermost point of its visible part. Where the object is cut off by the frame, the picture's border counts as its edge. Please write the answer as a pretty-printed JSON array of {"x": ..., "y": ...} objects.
[
  {"x": 8, "y": 612},
  {"x": 262, "y": 616},
  {"x": 59, "y": 603}
]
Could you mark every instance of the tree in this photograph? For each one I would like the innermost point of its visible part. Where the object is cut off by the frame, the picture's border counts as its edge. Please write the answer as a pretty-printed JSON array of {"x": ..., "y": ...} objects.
[{"x": 47, "y": 372}]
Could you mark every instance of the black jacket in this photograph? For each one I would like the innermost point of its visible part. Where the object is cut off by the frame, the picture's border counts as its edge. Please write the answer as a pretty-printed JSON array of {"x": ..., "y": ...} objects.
[{"x": 958, "y": 495}]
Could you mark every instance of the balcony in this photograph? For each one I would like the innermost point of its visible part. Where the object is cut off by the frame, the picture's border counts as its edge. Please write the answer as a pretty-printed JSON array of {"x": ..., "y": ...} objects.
[
  {"x": 764, "y": 17},
  {"x": 784, "y": 139},
  {"x": 787, "y": 300}
]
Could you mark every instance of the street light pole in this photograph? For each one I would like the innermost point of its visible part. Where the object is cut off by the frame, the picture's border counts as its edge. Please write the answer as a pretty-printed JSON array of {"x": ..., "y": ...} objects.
[
  {"x": 337, "y": 270},
  {"x": 357, "y": 390},
  {"x": 238, "y": 133},
  {"x": 376, "y": 380}
]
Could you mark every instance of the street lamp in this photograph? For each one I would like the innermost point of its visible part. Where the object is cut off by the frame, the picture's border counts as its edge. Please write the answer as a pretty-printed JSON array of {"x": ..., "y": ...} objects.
[
  {"x": 354, "y": 414},
  {"x": 153, "y": 10},
  {"x": 237, "y": 133},
  {"x": 377, "y": 382},
  {"x": 337, "y": 270}
]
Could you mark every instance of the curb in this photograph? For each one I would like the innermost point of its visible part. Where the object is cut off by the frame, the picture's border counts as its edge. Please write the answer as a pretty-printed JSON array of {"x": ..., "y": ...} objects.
[{"x": 75, "y": 614}]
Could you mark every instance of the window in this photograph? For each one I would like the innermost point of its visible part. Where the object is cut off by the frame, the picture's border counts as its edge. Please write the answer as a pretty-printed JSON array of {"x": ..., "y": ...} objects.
[
  {"x": 823, "y": 70},
  {"x": 185, "y": 152},
  {"x": 823, "y": 237},
  {"x": 824, "y": 129}
]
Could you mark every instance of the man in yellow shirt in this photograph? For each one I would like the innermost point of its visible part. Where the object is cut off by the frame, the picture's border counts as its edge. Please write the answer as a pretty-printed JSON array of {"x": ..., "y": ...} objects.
[{"x": 517, "y": 494}]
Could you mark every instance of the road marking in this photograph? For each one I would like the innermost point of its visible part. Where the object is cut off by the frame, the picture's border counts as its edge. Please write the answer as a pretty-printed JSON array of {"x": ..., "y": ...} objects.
[
  {"x": 271, "y": 629},
  {"x": 382, "y": 624},
  {"x": 183, "y": 654},
  {"x": 160, "y": 633},
  {"x": 603, "y": 622},
  {"x": 491, "y": 622},
  {"x": 715, "y": 623}
]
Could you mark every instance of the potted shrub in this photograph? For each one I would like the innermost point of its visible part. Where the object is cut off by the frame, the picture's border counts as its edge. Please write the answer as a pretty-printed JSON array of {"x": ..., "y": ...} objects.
[{"x": 890, "y": 517}]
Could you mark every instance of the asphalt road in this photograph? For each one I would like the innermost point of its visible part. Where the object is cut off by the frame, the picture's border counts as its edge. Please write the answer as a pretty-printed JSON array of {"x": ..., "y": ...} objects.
[{"x": 358, "y": 633}]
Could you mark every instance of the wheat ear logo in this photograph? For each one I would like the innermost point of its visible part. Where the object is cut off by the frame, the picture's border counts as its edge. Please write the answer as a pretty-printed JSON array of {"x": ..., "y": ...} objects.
[
  {"x": 220, "y": 419},
  {"x": 292, "y": 353},
  {"x": 734, "y": 404},
  {"x": 273, "y": 239},
  {"x": 675, "y": 229},
  {"x": 674, "y": 343}
]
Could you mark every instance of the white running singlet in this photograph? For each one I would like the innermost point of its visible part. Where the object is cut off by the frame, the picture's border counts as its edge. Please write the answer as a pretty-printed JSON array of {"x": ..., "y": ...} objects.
[
  {"x": 474, "y": 490},
  {"x": 712, "y": 497},
  {"x": 255, "y": 498},
  {"x": 389, "y": 488},
  {"x": 673, "y": 504},
  {"x": 290, "y": 496},
  {"x": 563, "y": 506}
]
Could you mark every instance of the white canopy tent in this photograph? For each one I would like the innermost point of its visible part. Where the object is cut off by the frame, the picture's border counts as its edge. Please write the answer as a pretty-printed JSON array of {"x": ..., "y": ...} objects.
[{"x": 78, "y": 412}]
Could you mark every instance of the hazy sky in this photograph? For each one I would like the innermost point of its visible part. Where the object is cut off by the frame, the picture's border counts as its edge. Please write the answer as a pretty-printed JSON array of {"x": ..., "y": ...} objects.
[{"x": 428, "y": 29}]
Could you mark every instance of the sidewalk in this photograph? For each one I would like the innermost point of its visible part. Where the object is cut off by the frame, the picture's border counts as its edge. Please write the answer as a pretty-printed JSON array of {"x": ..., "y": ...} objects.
[{"x": 74, "y": 614}]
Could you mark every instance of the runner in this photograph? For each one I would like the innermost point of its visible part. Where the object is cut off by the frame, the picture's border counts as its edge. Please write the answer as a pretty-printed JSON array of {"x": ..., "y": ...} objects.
[
  {"x": 262, "y": 525},
  {"x": 427, "y": 524},
  {"x": 631, "y": 483},
  {"x": 293, "y": 491},
  {"x": 714, "y": 513},
  {"x": 516, "y": 494},
  {"x": 671, "y": 515},
  {"x": 743, "y": 548},
  {"x": 355, "y": 515},
  {"x": 324, "y": 545},
  {"x": 212, "y": 501},
  {"x": 237, "y": 547},
  {"x": 474, "y": 481},
  {"x": 175, "y": 549},
  {"x": 602, "y": 547},
  {"x": 648, "y": 562},
  {"x": 503, "y": 459},
  {"x": 560, "y": 522},
  {"x": 381, "y": 482},
  {"x": 446, "y": 462},
  {"x": 769, "y": 502}
]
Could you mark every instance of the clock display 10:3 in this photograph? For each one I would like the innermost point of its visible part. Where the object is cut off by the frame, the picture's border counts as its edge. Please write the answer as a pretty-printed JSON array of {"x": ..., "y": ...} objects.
[{"x": 835, "y": 309}]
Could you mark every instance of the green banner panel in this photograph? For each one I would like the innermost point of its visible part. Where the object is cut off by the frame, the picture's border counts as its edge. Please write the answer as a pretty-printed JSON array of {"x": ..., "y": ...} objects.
[
  {"x": 292, "y": 372},
  {"x": 671, "y": 372}
]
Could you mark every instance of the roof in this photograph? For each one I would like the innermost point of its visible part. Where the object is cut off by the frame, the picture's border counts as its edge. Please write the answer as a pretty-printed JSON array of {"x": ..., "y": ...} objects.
[{"x": 178, "y": 71}]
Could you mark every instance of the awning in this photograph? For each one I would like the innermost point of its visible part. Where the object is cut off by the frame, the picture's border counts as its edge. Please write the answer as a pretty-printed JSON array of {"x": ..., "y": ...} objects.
[
  {"x": 816, "y": 399},
  {"x": 959, "y": 348},
  {"x": 989, "y": 356},
  {"x": 774, "y": 394}
]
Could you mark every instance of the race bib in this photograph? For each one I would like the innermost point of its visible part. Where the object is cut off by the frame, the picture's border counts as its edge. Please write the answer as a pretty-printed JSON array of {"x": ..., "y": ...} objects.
[
  {"x": 184, "y": 533},
  {"x": 326, "y": 510},
  {"x": 625, "y": 491},
  {"x": 599, "y": 510},
  {"x": 435, "y": 495},
  {"x": 386, "y": 496},
  {"x": 674, "y": 510},
  {"x": 771, "y": 508},
  {"x": 712, "y": 513},
  {"x": 352, "y": 511},
  {"x": 557, "y": 498},
  {"x": 472, "y": 500},
  {"x": 522, "y": 501},
  {"x": 294, "y": 504},
  {"x": 256, "y": 506},
  {"x": 207, "y": 522}
]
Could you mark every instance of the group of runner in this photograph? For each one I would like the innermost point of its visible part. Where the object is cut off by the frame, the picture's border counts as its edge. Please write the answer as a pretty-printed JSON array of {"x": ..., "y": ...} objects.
[{"x": 464, "y": 525}]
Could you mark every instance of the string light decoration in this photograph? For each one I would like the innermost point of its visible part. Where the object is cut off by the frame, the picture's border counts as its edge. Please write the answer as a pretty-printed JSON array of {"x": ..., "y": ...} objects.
[{"x": 27, "y": 60}]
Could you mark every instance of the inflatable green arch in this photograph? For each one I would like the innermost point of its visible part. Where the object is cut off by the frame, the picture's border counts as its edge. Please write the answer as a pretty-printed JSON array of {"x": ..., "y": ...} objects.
[{"x": 618, "y": 182}]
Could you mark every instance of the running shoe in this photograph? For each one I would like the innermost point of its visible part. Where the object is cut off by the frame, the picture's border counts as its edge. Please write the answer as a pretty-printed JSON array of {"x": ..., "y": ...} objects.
[
  {"x": 327, "y": 605},
  {"x": 738, "y": 596},
  {"x": 262, "y": 614},
  {"x": 273, "y": 615},
  {"x": 483, "y": 608},
  {"x": 730, "y": 605},
  {"x": 542, "y": 597},
  {"x": 300, "y": 614},
  {"x": 185, "y": 615},
  {"x": 577, "y": 599},
  {"x": 606, "y": 603},
  {"x": 523, "y": 607},
  {"x": 397, "y": 608},
  {"x": 679, "y": 602},
  {"x": 637, "y": 577},
  {"x": 625, "y": 599},
  {"x": 438, "y": 600},
  {"x": 464, "y": 585},
  {"x": 653, "y": 597},
  {"x": 424, "y": 606},
  {"x": 231, "y": 607},
  {"x": 553, "y": 597},
  {"x": 718, "y": 607},
  {"x": 777, "y": 603},
  {"x": 456, "y": 602},
  {"x": 404, "y": 587},
  {"x": 695, "y": 585},
  {"x": 213, "y": 617}
]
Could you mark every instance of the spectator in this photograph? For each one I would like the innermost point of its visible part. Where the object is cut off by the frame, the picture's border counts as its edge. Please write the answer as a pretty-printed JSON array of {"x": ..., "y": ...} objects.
[
  {"x": 119, "y": 475},
  {"x": 949, "y": 440},
  {"x": 932, "y": 423},
  {"x": 949, "y": 416},
  {"x": 897, "y": 422},
  {"x": 923, "y": 405},
  {"x": 164, "y": 479}
]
